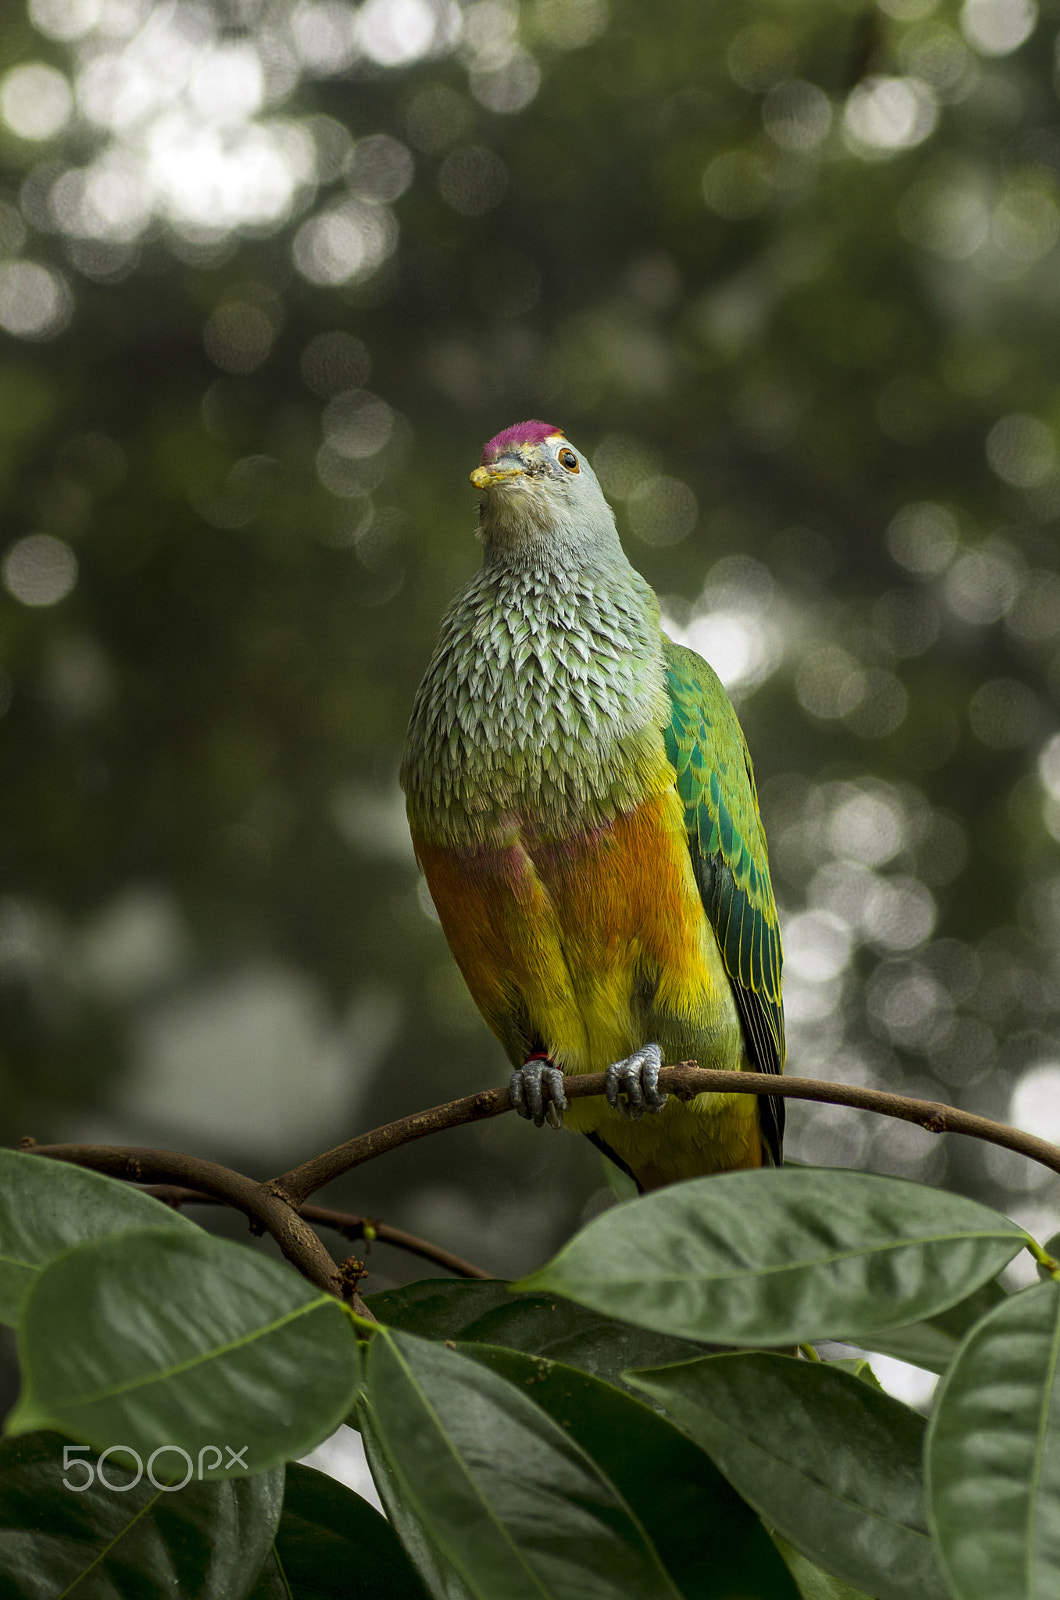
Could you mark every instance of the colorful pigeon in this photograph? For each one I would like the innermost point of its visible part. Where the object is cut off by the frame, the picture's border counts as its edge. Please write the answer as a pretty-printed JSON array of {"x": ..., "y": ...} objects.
[{"x": 583, "y": 809}]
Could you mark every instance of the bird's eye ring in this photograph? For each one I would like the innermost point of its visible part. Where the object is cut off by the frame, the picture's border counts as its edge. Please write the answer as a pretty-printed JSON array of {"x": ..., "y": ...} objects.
[{"x": 568, "y": 459}]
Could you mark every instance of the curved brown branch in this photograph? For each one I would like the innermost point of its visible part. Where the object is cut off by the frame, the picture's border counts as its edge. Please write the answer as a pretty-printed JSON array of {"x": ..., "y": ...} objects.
[
  {"x": 257, "y": 1202},
  {"x": 304, "y": 1180},
  {"x": 685, "y": 1080},
  {"x": 346, "y": 1223},
  {"x": 279, "y": 1206}
]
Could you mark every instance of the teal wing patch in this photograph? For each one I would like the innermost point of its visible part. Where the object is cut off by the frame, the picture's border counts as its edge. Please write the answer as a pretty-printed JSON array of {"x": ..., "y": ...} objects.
[{"x": 715, "y": 782}]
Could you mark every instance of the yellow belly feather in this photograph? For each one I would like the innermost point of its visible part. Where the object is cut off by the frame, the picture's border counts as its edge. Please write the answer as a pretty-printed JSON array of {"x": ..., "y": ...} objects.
[{"x": 595, "y": 946}]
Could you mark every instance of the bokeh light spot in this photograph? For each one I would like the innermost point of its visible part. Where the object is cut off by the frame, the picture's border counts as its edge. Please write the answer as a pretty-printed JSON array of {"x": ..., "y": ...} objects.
[
  {"x": 997, "y": 27},
  {"x": 885, "y": 115},
  {"x": 472, "y": 180},
  {"x": 437, "y": 117},
  {"x": 345, "y": 243},
  {"x": 1021, "y": 450},
  {"x": 829, "y": 682},
  {"x": 908, "y": 1005},
  {"x": 326, "y": 36},
  {"x": 395, "y": 32},
  {"x": 1026, "y": 224},
  {"x": 797, "y": 115},
  {"x": 508, "y": 88},
  {"x": 382, "y": 168},
  {"x": 357, "y": 424},
  {"x": 881, "y": 705},
  {"x": 39, "y": 570},
  {"x": 923, "y": 536},
  {"x": 34, "y": 300},
  {"x": 899, "y": 913},
  {"x": 65, "y": 19},
  {"x": 950, "y": 218},
  {"x": 35, "y": 101},
  {"x": 238, "y": 337},
  {"x": 569, "y": 24},
  {"x": 1035, "y": 1102},
  {"x": 982, "y": 584},
  {"x": 817, "y": 945},
  {"x": 868, "y": 828},
  {"x": 663, "y": 510}
]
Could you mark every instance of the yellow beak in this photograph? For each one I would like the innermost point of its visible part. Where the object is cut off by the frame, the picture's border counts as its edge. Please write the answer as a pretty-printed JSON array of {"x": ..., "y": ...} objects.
[{"x": 486, "y": 477}]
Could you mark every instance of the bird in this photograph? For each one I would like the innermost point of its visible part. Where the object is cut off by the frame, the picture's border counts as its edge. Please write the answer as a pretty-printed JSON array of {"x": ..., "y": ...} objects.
[{"x": 583, "y": 809}]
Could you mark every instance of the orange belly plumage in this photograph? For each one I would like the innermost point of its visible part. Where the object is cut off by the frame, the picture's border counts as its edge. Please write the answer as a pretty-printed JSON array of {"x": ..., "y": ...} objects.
[{"x": 589, "y": 947}]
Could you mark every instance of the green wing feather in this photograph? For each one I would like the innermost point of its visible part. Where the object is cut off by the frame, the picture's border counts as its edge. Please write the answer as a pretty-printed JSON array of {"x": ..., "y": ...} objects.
[{"x": 708, "y": 752}]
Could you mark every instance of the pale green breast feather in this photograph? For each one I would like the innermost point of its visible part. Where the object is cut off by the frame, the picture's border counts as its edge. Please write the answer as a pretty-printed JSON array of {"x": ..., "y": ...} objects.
[{"x": 544, "y": 699}]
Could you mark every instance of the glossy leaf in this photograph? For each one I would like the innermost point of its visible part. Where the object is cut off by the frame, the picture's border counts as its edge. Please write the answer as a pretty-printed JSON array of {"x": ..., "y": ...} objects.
[
  {"x": 164, "y": 1340},
  {"x": 829, "y": 1462},
  {"x": 47, "y": 1206},
  {"x": 489, "y": 1496},
  {"x": 782, "y": 1256},
  {"x": 332, "y": 1545},
  {"x": 620, "y": 1183},
  {"x": 993, "y": 1454},
  {"x": 811, "y": 1582},
  {"x": 709, "y": 1540},
  {"x": 204, "y": 1542},
  {"x": 934, "y": 1342},
  {"x": 543, "y": 1325}
]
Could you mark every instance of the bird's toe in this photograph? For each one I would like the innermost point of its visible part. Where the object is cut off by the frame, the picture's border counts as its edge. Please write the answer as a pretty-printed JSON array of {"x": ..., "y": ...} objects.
[
  {"x": 632, "y": 1085},
  {"x": 537, "y": 1093}
]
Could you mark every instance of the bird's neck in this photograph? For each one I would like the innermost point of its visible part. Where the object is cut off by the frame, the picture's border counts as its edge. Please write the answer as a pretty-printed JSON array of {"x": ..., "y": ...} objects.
[{"x": 542, "y": 707}]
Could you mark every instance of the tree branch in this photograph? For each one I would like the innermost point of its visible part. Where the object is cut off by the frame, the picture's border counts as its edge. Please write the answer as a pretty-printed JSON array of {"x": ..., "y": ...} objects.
[
  {"x": 302, "y": 1181},
  {"x": 346, "y": 1223},
  {"x": 686, "y": 1081},
  {"x": 279, "y": 1206},
  {"x": 259, "y": 1203}
]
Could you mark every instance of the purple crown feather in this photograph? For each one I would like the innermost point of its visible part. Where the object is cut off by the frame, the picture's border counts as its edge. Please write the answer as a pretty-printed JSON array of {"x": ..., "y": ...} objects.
[{"x": 519, "y": 433}]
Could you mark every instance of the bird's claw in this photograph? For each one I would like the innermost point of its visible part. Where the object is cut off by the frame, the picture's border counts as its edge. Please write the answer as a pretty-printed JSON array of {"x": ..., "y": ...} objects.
[
  {"x": 537, "y": 1093},
  {"x": 632, "y": 1085}
]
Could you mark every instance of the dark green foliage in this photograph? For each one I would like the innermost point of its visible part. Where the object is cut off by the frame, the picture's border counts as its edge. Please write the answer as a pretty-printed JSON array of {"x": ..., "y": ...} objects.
[{"x": 750, "y": 1475}]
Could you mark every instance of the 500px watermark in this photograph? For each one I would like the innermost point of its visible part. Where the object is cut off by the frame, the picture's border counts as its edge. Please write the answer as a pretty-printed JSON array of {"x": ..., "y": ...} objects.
[{"x": 209, "y": 1459}]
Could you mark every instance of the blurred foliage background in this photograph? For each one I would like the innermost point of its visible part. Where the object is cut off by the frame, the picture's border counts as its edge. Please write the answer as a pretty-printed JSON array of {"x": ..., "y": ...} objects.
[{"x": 268, "y": 277}]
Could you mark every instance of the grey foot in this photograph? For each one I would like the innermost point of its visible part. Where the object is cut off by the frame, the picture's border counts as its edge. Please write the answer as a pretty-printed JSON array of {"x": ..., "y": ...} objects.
[
  {"x": 633, "y": 1084},
  {"x": 536, "y": 1089}
]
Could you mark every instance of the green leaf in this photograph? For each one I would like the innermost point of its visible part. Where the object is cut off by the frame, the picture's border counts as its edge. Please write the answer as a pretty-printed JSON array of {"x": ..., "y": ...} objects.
[
  {"x": 543, "y": 1325},
  {"x": 812, "y": 1583},
  {"x": 203, "y": 1542},
  {"x": 993, "y": 1454},
  {"x": 782, "y": 1256},
  {"x": 859, "y": 1368},
  {"x": 489, "y": 1496},
  {"x": 328, "y": 1534},
  {"x": 933, "y": 1343},
  {"x": 165, "y": 1340},
  {"x": 48, "y": 1206},
  {"x": 829, "y": 1462},
  {"x": 620, "y": 1183},
  {"x": 708, "y": 1539}
]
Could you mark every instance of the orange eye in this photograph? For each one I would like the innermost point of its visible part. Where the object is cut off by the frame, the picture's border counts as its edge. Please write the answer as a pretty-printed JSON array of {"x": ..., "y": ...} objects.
[{"x": 568, "y": 459}]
